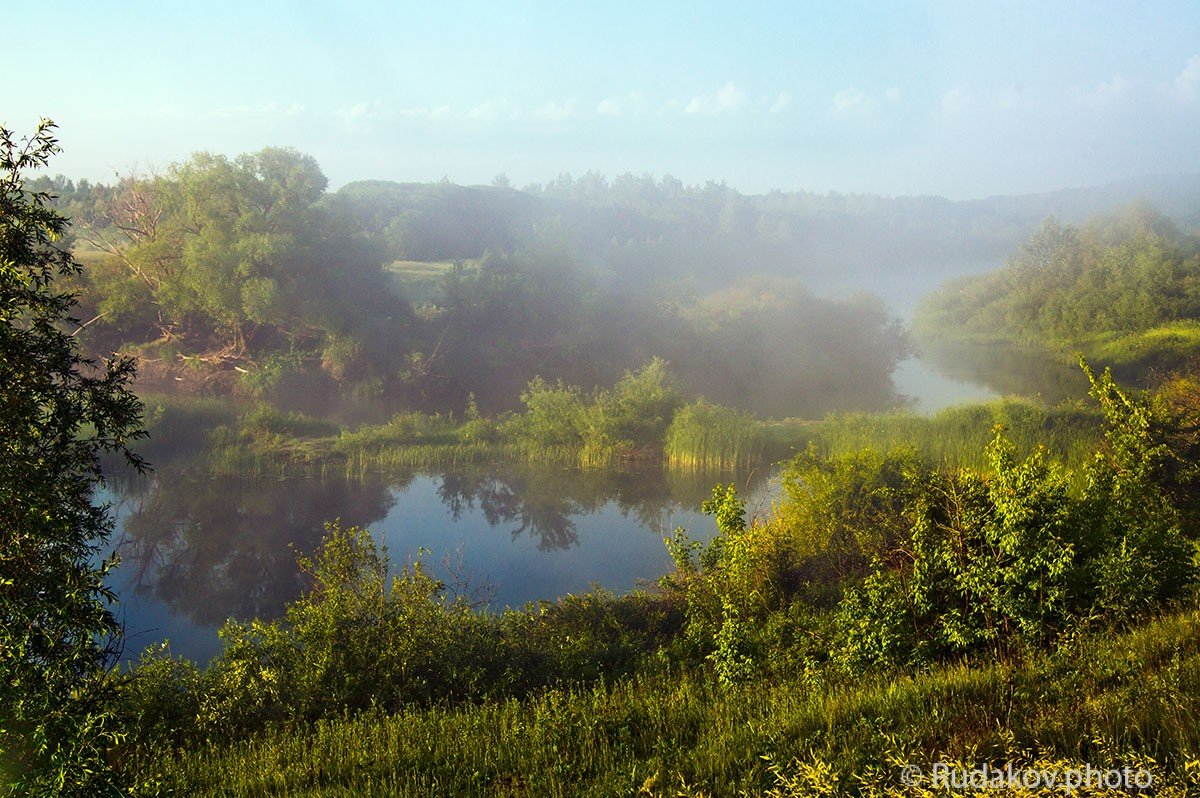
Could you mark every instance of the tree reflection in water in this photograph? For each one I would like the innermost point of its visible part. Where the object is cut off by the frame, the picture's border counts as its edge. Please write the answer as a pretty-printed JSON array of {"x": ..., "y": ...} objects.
[
  {"x": 215, "y": 547},
  {"x": 542, "y": 502},
  {"x": 210, "y": 548}
]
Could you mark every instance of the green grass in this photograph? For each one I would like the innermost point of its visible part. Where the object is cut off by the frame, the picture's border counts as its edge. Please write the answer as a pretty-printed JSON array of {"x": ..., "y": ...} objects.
[
  {"x": 1166, "y": 346},
  {"x": 420, "y": 281},
  {"x": 1133, "y": 356},
  {"x": 704, "y": 436},
  {"x": 1129, "y": 699},
  {"x": 957, "y": 436}
]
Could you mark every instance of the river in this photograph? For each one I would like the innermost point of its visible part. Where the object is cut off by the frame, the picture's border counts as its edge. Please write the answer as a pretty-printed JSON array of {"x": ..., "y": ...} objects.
[{"x": 196, "y": 550}]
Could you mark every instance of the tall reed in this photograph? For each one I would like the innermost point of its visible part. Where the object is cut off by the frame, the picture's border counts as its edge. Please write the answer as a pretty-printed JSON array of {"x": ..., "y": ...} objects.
[{"x": 708, "y": 436}]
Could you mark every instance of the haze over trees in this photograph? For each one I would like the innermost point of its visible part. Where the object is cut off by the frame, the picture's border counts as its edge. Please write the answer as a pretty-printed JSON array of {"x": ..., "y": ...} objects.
[
  {"x": 1123, "y": 287},
  {"x": 247, "y": 267}
]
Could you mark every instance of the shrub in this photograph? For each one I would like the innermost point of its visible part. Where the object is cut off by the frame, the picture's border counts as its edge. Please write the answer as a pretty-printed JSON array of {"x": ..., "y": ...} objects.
[{"x": 1013, "y": 558}]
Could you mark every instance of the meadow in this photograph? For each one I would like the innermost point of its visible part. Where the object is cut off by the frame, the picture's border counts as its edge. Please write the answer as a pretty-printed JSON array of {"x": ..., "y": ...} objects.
[{"x": 1110, "y": 700}]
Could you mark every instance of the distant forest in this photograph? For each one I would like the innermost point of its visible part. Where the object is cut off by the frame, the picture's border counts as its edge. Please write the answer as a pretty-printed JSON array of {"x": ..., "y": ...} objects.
[{"x": 247, "y": 275}]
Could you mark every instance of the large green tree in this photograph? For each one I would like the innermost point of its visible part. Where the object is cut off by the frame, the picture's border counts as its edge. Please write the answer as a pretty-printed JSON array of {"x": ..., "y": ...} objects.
[
  {"x": 235, "y": 257},
  {"x": 58, "y": 413}
]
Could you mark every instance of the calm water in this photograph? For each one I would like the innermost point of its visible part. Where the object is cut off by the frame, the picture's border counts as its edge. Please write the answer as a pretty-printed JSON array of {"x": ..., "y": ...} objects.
[
  {"x": 947, "y": 374},
  {"x": 197, "y": 550}
]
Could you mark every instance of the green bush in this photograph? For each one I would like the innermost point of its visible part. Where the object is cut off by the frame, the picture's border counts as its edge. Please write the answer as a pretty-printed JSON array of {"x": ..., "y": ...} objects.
[{"x": 1014, "y": 558}]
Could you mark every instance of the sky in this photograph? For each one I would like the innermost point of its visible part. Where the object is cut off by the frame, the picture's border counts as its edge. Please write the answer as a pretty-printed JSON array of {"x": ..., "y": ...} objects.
[{"x": 959, "y": 99}]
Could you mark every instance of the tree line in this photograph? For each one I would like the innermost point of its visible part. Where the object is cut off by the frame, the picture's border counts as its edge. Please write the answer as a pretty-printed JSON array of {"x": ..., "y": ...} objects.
[{"x": 247, "y": 273}]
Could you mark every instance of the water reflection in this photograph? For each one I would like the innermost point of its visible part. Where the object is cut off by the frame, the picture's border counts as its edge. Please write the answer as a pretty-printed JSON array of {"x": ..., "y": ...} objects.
[
  {"x": 1009, "y": 370},
  {"x": 542, "y": 503},
  {"x": 211, "y": 548},
  {"x": 197, "y": 550}
]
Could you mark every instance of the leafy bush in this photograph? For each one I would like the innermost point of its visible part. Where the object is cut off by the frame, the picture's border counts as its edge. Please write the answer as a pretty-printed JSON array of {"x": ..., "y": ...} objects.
[
  {"x": 271, "y": 371},
  {"x": 610, "y": 424},
  {"x": 553, "y": 414},
  {"x": 1013, "y": 558}
]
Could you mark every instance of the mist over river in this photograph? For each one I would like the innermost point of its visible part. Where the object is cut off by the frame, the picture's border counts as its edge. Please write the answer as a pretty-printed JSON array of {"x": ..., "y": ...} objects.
[{"x": 197, "y": 549}]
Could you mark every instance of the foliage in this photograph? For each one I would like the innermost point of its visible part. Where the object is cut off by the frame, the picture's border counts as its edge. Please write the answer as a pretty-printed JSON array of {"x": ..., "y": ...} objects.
[
  {"x": 682, "y": 733},
  {"x": 1014, "y": 558},
  {"x": 1117, "y": 286},
  {"x": 845, "y": 512},
  {"x": 236, "y": 259},
  {"x": 612, "y": 424},
  {"x": 58, "y": 413}
]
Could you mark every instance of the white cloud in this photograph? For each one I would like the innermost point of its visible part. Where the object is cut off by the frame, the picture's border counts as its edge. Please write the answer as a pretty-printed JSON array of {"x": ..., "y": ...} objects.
[
  {"x": 610, "y": 106},
  {"x": 424, "y": 112},
  {"x": 1105, "y": 94},
  {"x": 491, "y": 111},
  {"x": 556, "y": 112},
  {"x": 727, "y": 98},
  {"x": 633, "y": 102},
  {"x": 853, "y": 101},
  {"x": 848, "y": 101},
  {"x": 1187, "y": 83},
  {"x": 363, "y": 112},
  {"x": 781, "y": 102}
]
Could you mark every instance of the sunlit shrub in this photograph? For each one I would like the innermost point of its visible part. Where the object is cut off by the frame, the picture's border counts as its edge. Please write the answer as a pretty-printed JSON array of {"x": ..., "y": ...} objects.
[{"x": 1013, "y": 558}]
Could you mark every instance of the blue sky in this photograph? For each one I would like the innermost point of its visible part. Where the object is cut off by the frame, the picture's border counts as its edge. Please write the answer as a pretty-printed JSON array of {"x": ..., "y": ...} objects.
[{"x": 951, "y": 98}]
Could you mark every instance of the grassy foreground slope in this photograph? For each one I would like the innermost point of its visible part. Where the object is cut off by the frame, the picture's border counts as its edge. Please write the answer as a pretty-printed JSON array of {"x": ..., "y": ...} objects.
[{"x": 1126, "y": 700}]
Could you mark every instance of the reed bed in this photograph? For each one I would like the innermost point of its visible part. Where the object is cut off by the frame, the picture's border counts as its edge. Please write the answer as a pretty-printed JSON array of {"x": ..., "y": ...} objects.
[
  {"x": 704, "y": 437},
  {"x": 957, "y": 436}
]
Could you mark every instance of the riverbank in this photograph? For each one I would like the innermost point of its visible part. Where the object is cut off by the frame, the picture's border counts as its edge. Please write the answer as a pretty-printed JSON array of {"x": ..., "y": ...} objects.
[
  {"x": 1134, "y": 357},
  {"x": 263, "y": 440}
]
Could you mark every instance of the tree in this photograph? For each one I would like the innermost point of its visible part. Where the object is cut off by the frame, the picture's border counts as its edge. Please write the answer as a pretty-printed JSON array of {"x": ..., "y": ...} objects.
[
  {"x": 228, "y": 260},
  {"x": 59, "y": 411}
]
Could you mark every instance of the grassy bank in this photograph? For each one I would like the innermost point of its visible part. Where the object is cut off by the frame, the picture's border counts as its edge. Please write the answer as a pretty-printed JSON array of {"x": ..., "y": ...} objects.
[
  {"x": 701, "y": 436},
  {"x": 1136, "y": 357},
  {"x": 956, "y": 436},
  {"x": 1126, "y": 700}
]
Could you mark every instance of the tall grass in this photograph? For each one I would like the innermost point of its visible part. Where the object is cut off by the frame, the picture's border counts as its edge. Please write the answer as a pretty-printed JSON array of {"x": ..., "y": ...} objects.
[
  {"x": 706, "y": 436},
  {"x": 701, "y": 436},
  {"x": 1109, "y": 701},
  {"x": 182, "y": 423},
  {"x": 957, "y": 436},
  {"x": 1166, "y": 346}
]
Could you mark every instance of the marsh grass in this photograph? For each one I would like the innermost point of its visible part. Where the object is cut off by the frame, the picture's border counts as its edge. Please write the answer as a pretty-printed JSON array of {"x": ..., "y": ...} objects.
[
  {"x": 1164, "y": 347},
  {"x": 957, "y": 436},
  {"x": 700, "y": 437},
  {"x": 705, "y": 436}
]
